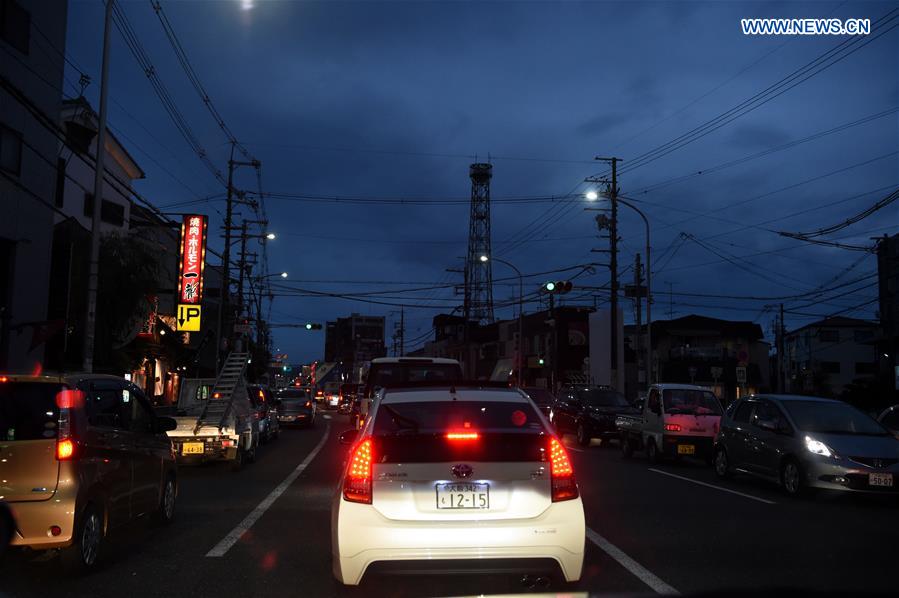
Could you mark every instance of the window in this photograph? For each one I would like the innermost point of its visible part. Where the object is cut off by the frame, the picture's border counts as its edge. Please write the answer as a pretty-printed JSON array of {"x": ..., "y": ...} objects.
[
  {"x": 10, "y": 150},
  {"x": 143, "y": 421},
  {"x": 15, "y": 25},
  {"x": 653, "y": 401},
  {"x": 743, "y": 411},
  {"x": 59, "y": 198},
  {"x": 107, "y": 406},
  {"x": 865, "y": 368},
  {"x": 861, "y": 336},
  {"x": 110, "y": 212},
  {"x": 830, "y": 367},
  {"x": 766, "y": 411},
  {"x": 891, "y": 419},
  {"x": 829, "y": 336}
]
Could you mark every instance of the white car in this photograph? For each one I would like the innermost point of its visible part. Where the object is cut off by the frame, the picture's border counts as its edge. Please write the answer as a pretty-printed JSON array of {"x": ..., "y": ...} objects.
[{"x": 440, "y": 476}]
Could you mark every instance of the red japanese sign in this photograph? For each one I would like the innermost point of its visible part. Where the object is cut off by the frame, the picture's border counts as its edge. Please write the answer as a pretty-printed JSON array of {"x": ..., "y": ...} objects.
[{"x": 193, "y": 258}]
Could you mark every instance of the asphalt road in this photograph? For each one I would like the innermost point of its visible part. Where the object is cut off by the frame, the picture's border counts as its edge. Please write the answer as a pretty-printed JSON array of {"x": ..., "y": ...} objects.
[{"x": 673, "y": 527}]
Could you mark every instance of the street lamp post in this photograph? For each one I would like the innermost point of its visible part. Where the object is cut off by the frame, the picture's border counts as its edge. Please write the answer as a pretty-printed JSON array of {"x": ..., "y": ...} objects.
[
  {"x": 648, "y": 292},
  {"x": 518, "y": 375}
]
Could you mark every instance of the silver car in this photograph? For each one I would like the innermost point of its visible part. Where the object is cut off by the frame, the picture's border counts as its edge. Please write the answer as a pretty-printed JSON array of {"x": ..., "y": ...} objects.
[{"x": 805, "y": 443}]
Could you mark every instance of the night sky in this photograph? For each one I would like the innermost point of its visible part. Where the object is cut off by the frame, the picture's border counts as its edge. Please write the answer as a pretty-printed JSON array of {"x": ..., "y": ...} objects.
[{"x": 394, "y": 100}]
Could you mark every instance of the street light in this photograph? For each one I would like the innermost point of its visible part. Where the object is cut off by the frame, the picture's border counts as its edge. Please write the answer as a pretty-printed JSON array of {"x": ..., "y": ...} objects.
[
  {"x": 592, "y": 195},
  {"x": 648, "y": 292},
  {"x": 283, "y": 274},
  {"x": 271, "y": 236},
  {"x": 485, "y": 259}
]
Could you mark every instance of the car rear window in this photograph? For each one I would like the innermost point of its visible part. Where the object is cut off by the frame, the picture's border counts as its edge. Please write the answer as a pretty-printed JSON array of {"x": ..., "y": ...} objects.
[
  {"x": 293, "y": 394},
  {"x": 28, "y": 410},
  {"x": 486, "y": 431},
  {"x": 393, "y": 374},
  {"x": 541, "y": 396}
]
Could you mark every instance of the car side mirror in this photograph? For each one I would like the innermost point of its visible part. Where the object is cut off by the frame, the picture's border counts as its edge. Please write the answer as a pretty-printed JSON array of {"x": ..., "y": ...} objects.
[
  {"x": 348, "y": 437},
  {"x": 165, "y": 424}
]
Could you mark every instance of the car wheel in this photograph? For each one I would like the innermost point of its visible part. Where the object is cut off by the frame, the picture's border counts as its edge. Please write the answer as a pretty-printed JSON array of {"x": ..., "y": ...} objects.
[
  {"x": 791, "y": 477},
  {"x": 627, "y": 449},
  {"x": 251, "y": 454},
  {"x": 84, "y": 553},
  {"x": 166, "y": 512},
  {"x": 239, "y": 459},
  {"x": 583, "y": 438},
  {"x": 652, "y": 452},
  {"x": 722, "y": 465}
]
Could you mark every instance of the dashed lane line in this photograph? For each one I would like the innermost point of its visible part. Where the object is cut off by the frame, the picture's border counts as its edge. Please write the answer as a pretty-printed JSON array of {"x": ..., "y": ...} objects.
[{"x": 235, "y": 534}]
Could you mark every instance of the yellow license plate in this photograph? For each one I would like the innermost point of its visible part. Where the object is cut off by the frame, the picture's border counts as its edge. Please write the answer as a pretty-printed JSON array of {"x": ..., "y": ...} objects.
[
  {"x": 192, "y": 448},
  {"x": 686, "y": 449}
]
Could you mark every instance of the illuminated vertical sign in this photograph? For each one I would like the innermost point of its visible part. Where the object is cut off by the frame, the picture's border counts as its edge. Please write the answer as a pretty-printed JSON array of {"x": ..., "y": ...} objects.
[{"x": 193, "y": 259}]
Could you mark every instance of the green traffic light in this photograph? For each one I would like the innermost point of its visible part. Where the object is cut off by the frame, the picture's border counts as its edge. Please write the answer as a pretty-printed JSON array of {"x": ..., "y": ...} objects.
[
  {"x": 308, "y": 326},
  {"x": 540, "y": 361},
  {"x": 550, "y": 286}
]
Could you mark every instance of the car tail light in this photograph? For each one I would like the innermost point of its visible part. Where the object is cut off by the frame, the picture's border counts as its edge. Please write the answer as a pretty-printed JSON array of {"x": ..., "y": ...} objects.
[
  {"x": 357, "y": 484},
  {"x": 564, "y": 486},
  {"x": 216, "y": 395},
  {"x": 4, "y": 378},
  {"x": 672, "y": 427},
  {"x": 65, "y": 449},
  {"x": 308, "y": 403}
]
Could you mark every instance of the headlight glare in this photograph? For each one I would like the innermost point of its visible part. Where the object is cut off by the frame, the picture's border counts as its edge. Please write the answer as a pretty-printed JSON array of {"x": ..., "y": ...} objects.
[{"x": 817, "y": 447}]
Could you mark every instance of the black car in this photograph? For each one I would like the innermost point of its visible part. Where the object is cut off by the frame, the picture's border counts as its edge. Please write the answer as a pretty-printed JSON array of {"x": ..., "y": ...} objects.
[
  {"x": 542, "y": 397},
  {"x": 295, "y": 407},
  {"x": 589, "y": 412}
]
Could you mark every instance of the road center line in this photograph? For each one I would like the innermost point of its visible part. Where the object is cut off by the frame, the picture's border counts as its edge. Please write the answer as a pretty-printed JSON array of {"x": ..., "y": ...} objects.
[
  {"x": 235, "y": 534},
  {"x": 714, "y": 487},
  {"x": 638, "y": 570}
]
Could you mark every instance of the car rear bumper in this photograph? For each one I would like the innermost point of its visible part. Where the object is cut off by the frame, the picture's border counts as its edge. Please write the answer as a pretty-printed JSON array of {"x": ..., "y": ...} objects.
[
  {"x": 362, "y": 536},
  {"x": 294, "y": 418},
  {"x": 33, "y": 520},
  {"x": 703, "y": 446}
]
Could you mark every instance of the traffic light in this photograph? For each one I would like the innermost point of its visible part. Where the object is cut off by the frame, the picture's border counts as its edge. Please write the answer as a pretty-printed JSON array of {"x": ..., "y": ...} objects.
[
  {"x": 313, "y": 326},
  {"x": 557, "y": 287},
  {"x": 541, "y": 361}
]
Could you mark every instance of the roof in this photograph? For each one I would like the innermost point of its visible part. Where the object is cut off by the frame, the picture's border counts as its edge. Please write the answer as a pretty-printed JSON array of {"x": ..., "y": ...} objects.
[
  {"x": 787, "y": 398},
  {"x": 71, "y": 108},
  {"x": 442, "y": 394},
  {"x": 837, "y": 322},
  {"x": 414, "y": 360},
  {"x": 692, "y": 325}
]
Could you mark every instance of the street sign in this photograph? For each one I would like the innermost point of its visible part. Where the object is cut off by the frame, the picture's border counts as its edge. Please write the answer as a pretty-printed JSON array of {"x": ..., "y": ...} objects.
[
  {"x": 193, "y": 259},
  {"x": 188, "y": 319},
  {"x": 741, "y": 375}
]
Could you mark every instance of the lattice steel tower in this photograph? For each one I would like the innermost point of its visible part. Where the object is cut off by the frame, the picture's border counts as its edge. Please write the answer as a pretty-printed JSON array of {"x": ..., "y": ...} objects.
[{"x": 478, "y": 305}]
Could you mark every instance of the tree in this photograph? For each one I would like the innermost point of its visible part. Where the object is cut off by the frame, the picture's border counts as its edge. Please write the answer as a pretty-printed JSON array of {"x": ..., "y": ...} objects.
[{"x": 129, "y": 271}]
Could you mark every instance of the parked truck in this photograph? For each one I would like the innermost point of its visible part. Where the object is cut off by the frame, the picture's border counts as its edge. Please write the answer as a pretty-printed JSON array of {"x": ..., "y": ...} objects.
[{"x": 675, "y": 420}]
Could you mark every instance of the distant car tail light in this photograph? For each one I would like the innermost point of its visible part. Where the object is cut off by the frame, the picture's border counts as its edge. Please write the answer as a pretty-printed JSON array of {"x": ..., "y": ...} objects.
[
  {"x": 227, "y": 443},
  {"x": 466, "y": 435},
  {"x": 672, "y": 427},
  {"x": 357, "y": 484},
  {"x": 564, "y": 486},
  {"x": 69, "y": 399},
  {"x": 66, "y": 400},
  {"x": 216, "y": 395},
  {"x": 308, "y": 403},
  {"x": 4, "y": 378}
]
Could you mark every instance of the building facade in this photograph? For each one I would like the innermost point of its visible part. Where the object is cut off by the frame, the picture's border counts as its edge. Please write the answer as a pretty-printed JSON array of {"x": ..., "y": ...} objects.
[
  {"x": 826, "y": 356},
  {"x": 31, "y": 79}
]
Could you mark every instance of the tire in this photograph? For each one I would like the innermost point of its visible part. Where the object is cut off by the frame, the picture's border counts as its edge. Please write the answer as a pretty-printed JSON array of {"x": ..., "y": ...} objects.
[
  {"x": 583, "y": 438},
  {"x": 239, "y": 460},
  {"x": 791, "y": 478},
  {"x": 84, "y": 553},
  {"x": 652, "y": 452},
  {"x": 251, "y": 454},
  {"x": 627, "y": 449},
  {"x": 722, "y": 463},
  {"x": 166, "y": 512}
]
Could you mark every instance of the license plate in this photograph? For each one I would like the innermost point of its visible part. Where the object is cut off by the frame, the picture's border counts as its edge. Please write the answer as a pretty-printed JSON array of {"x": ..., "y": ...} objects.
[
  {"x": 880, "y": 479},
  {"x": 686, "y": 449},
  {"x": 463, "y": 496},
  {"x": 192, "y": 448}
]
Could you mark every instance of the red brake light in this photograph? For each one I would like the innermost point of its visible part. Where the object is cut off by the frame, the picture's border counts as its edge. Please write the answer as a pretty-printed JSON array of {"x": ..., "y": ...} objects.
[
  {"x": 216, "y": 395},
  {"x": 672, "y": 427},
  {"x": 564, "y": 486},
  {"x": 4, "y": 379},
  {"x": 319, "y": 393},
  {"x": 65, "y": 449},
  {"x": 261, "y": 395},
  {"x": 308, "y": 403},
  {"x": 357, "y": 484},
  {"x": 462, "y": 436}
]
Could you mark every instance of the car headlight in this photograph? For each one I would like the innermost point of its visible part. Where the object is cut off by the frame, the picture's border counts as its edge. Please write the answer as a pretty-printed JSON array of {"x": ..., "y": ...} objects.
[{"x": 817, "y": 447}]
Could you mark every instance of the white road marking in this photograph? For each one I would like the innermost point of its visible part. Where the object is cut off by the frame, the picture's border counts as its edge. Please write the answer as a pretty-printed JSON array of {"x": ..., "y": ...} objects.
[
  {"x": 714, "y": 487},
  {"x": 638, "y": 570},
  {"x": 234, "y": 535},
  {"x": 326, "y": 416}
]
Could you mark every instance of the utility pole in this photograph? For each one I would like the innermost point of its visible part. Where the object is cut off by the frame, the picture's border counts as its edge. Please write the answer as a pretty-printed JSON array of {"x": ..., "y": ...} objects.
[
  {"x": 242, "y": 264},
  {"x": 670, "y": 300},
  {"x": 402, "y": 331},
  {"x": 638, "y": 312},
  {"x": 612, "y": 223},
  {"x": 781, "y": 357},
  {"x": 93, "y": 277},
  {"x": 226, "y": 264}
]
